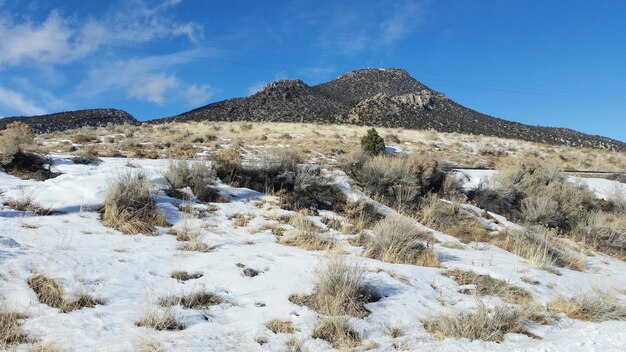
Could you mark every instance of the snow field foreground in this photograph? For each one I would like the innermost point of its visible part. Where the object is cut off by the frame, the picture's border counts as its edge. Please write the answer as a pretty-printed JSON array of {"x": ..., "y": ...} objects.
[{"x": 131, "y": 274}]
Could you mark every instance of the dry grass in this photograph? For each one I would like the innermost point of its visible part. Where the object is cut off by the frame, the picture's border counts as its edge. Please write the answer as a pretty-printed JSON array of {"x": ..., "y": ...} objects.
[
  {"x": 185, "y": 276},
  {"x": 197, "y": 176},
  {"x": 337, "y": 332},
  {"x": 541, "y": 247},
  {"x": 160, "y": 320},
  {"x": 485, "y": 285},
  {"x": 129, "y": 207},
  {"x": 361, "y": 214},
  {"x": 306, "y": 235},
  {"x": 340, "y": 289},
  {"x": 27, "y": 203},
  {"x": 11, "y": 329},
  {"x": 194, "y": 243},
  {"x": 311, "y": 191},
  {"x": 450, "y": 218},
  {"x": 593, "y": 306},
  {"x": 482, "y": 324},
  {"x": 397, "y": 240},
  {"x": 280, "y": 326},
  {"x": 201, "y": 299},
  {"x": 50, "y": 292}
]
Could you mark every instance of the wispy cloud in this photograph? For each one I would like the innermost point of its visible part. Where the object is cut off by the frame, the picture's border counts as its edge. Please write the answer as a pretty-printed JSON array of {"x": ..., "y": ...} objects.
[
  {"x": 12, "y": 101},
  {"x": 404, "y": 18},
  {"x": 196, "y": 95}
]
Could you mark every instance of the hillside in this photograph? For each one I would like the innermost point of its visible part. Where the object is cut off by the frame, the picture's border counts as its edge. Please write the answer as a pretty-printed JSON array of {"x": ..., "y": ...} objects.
[
  {"x": 382, "y": 98},
  {"x": 67, "y": 120}
]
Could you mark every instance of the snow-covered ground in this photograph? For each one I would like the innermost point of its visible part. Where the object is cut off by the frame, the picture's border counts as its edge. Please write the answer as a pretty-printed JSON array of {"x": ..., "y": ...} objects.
[{"x": 131, "y": 273}]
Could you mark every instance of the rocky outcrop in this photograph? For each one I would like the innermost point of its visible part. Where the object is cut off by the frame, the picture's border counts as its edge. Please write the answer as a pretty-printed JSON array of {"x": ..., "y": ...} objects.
[{"x": 62, "y": 121}]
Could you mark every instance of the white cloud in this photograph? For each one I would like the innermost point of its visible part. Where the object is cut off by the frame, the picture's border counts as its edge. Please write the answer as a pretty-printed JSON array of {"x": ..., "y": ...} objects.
[
  {"x": 401, "y": 22},
  {"x": 196, "y": 95},
  {"x": 153, "y": 88},
  {"x": 12, "y": 101},
  {"x": 58, "y": 40}
]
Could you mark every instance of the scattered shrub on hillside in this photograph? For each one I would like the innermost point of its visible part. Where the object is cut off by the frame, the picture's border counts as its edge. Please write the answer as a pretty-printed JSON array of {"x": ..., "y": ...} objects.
[
  {"x": 311, "y": 191},
  {"x": 337, "y": 331},
  {"x": 482, "y": 324},
  {"x": 397, "y": 240},
  {"x": 452, "y": 219},
  {"x": 13, "y": 140},
  {"x": 372, "y": 143},
  {"x": 593, "y": 306},
  {"x": 485, "y": 285},
  {"x": 197, "y": 176},
  {"x": 340, "y": 289},
  {"x": 16, "y": 161},
  {"x": 49, "y": 292},
  {"x": 11, "y": 329},
  {"x": 129, "y": 207}
]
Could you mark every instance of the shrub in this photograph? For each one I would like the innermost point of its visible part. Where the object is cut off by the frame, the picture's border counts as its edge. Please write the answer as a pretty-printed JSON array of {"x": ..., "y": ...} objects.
[
  {"x": 86, "y": 159},
  {"x": 485, "y": 285},
  {"x": 482, "y": 324},
  {"x": 49, "y": 292},
  {"x": 337, "y": 332},
  {"x": 280, "y": 326},
  {"x": 307, "y": 234},
  {"x": 372, "y": 143},
  {"x": 18, "y": 162},
  {"x": 311, "y": 191},
  {"x": 177, "y": 174},
  {"x": 593, "y": 306},
  {"x": 160, "y": 320},
  {"x": 340, "y": 289},
  {"x": 129, "y": 207},
  {"x": 450, "y": 218},
  {"x": 11, "y": 329},
  {"x": 397, "y": 240},
  {"x": 13, "y": 139}
]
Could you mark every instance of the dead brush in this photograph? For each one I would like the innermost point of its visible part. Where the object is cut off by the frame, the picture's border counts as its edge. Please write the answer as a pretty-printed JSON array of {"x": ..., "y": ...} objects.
[
  {"x": 340, "y": 289},
  {"x": 49, "y": 292},
  {"x": 306, "y": 234},
  {"x": 129, "y": 207},
  {"x": 194, "y": 243},
  {"x": 485, "y": 285},
  {"x": 593, "y": 306},
  {"x": 27, "y": 204},
  {"x": 201, "y": 299},
  {"x": 397, "y": 240},
  {"x": 487, "y": 324},
  {"x": 337, "y": 331},
  {"x": 361, "y": 214},
  {"x": 452, "y": 219},
  {"x": 311, "y": 191},
  {"x": 278, "y": 326},
  {"x": 11, "y": 329},
  {"x": 160, "y": 320}
]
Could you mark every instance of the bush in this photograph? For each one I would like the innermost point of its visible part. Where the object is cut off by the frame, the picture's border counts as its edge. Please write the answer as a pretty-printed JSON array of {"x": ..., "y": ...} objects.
[
  {"x": 593, "y": 306},
  {"x": 452, "y": 219},
  {"x": 482, "y": 324},
  {"x": 307, "y": 235},
  {"x": 311, "y": 191},
  {"x": 340, "y": 289},
  {"x": 129, "y": 207},
  {"x": 13, "y": 140},
  {"x": 398, "y": 240},
  {"x": 337, "y": 332},
  {"x": 372, "y": 143},
  {"x": 86, "y": 159}
]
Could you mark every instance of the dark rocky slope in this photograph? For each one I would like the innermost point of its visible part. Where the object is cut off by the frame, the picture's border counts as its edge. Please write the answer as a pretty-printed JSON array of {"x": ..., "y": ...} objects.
[{"x": 62, "y": 121}]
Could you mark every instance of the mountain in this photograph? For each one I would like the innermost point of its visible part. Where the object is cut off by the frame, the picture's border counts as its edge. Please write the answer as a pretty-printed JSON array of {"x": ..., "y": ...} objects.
[
  {"x": 62, "y": 121},
  {"x": 380, "y": 98}
]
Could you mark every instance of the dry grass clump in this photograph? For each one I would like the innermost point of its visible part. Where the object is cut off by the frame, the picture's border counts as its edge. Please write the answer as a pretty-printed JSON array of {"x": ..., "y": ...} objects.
[
  {"x": 604, "y": 232},
  {"x": 14, "y": 158},
  {"x": 197, "y": 300},
  {"x": 397, "y": 240},
  {"x": 27, "y": 203},
  {"x": 11, "y": 329},
  {"x": 485, "y": 285},
  {"x": 193, "y": 242},
  {"x": 482, "y": 324},
  {"x": 307, "y": 235},
  {"x": 197, "y": 176},
  {"x": 310, "y": 190},
  {"x": 361, "y": 214},
  {"x": 337, "y": 332},
  {"x": 594, "y": 306},
  {"x": 185, "y": 276},
  {"x": 49, "y": 292},
  {"x": 397, "y": 180},
  {"x": 280, "y": 326},
  {"x": 540, "y": 246},
  {"x": 340, "y": 289},
  {"x": 129, "y": 207},
  {"x": 86, "y": 159},
  {"x": 160, "y": 320},
  {"x": 452, "y": 219},
  {"x": 537, "y": 193}
]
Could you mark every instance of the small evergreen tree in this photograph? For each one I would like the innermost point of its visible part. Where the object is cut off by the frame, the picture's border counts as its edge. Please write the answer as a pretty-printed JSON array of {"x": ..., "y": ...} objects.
[{"x": 372, "y": 143}]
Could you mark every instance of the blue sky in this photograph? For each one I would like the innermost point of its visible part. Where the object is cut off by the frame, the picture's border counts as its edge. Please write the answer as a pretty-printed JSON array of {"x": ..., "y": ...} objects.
[{"x": 555, "y": 63}]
